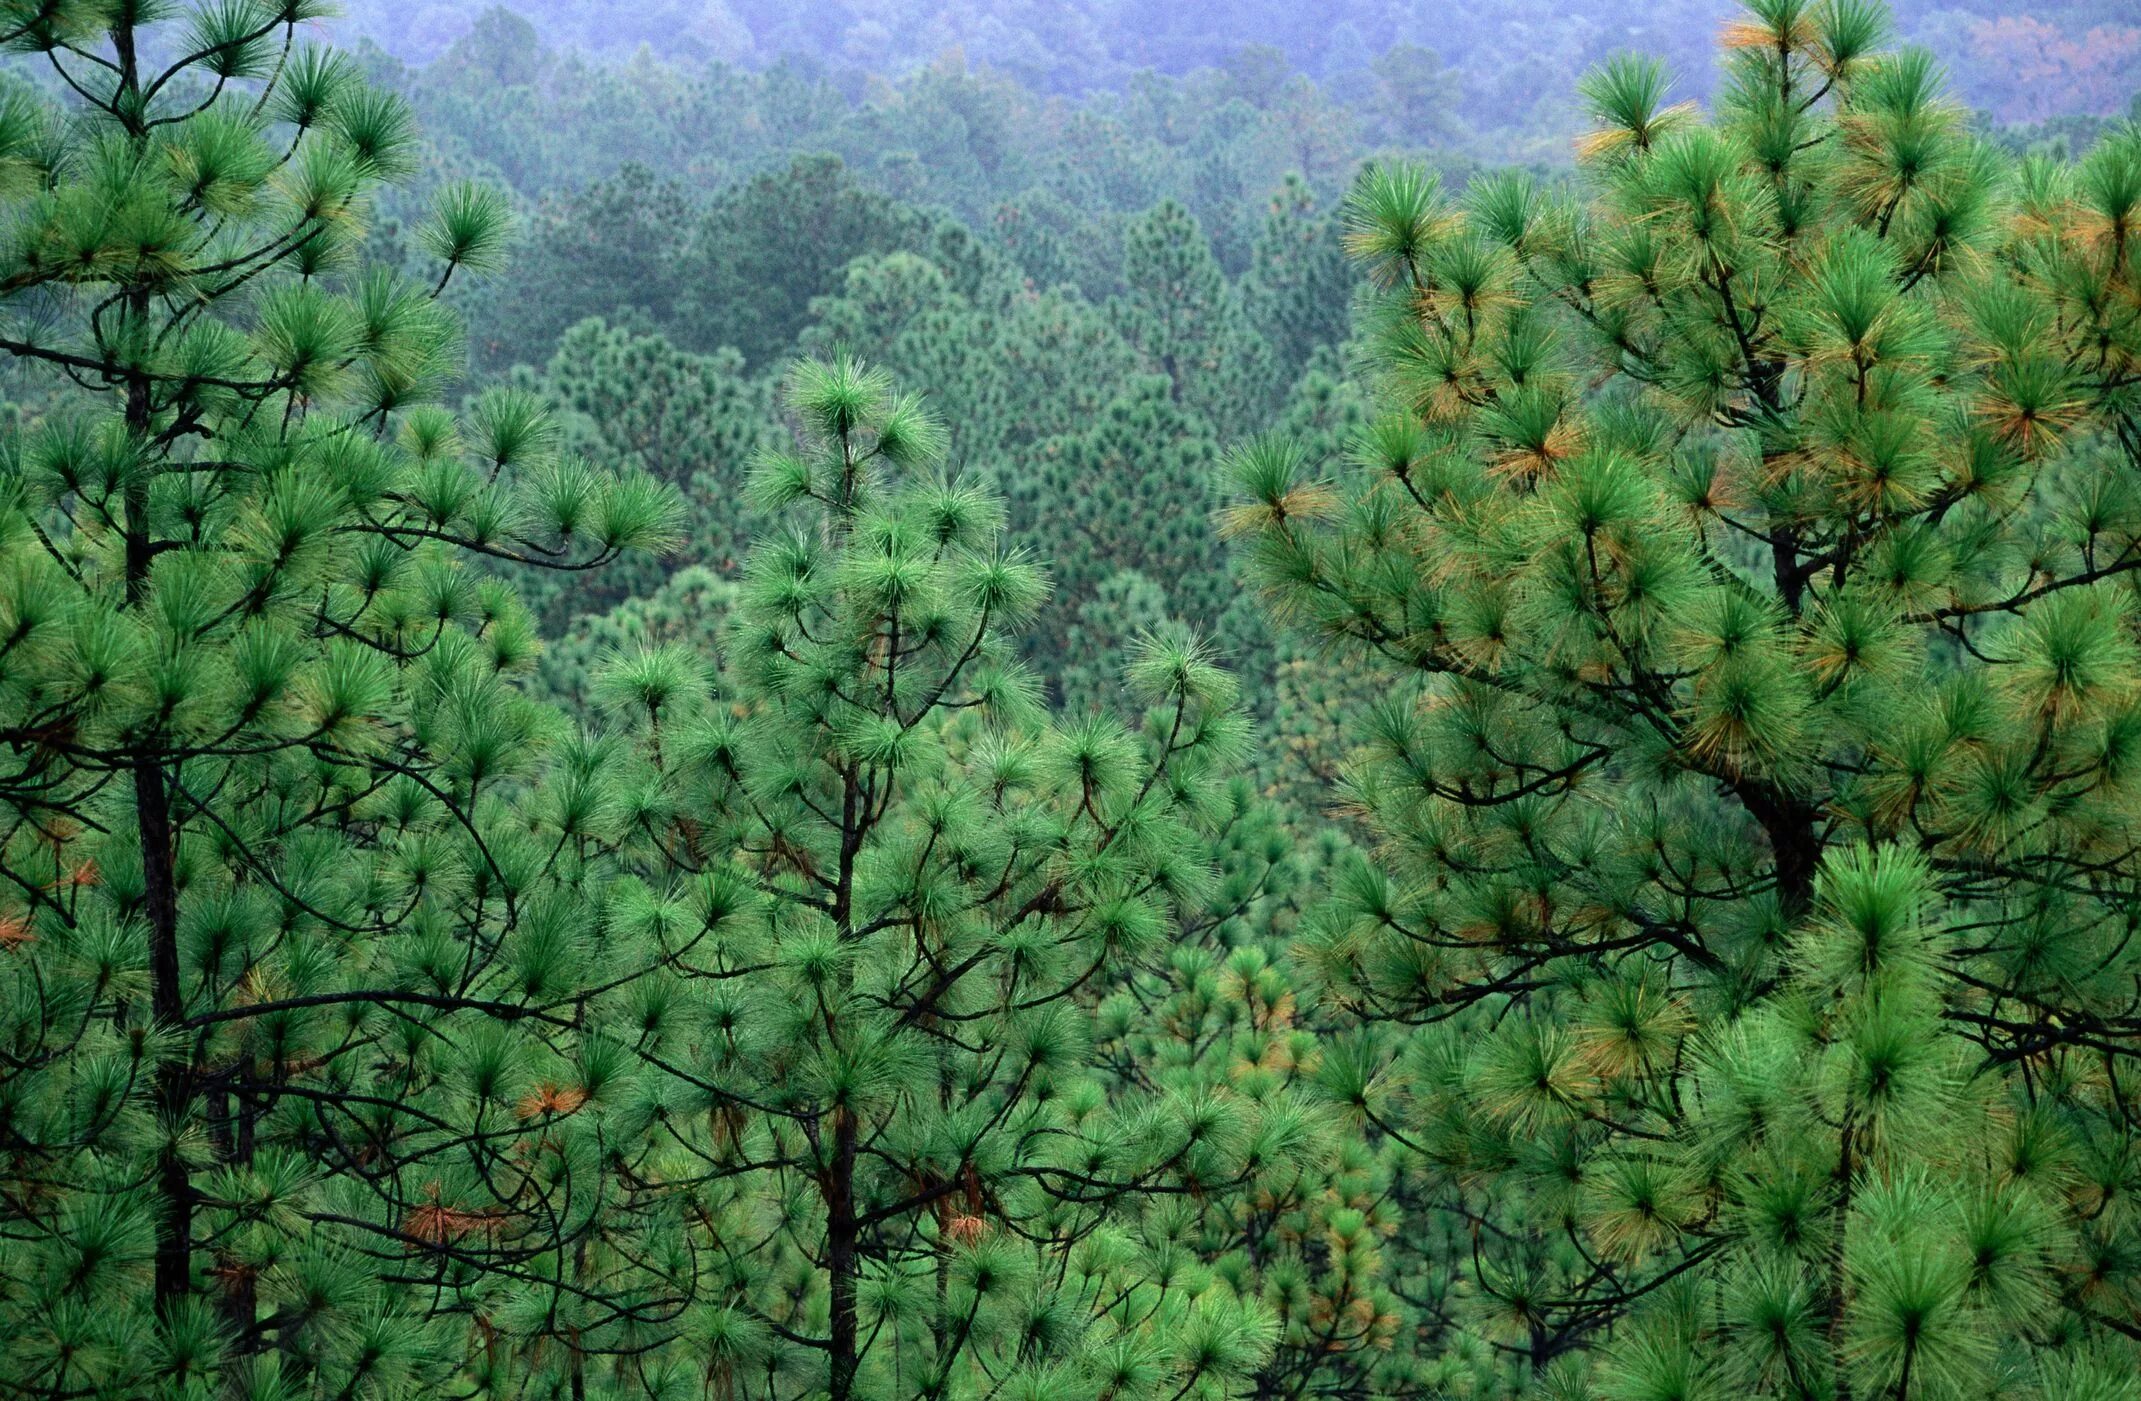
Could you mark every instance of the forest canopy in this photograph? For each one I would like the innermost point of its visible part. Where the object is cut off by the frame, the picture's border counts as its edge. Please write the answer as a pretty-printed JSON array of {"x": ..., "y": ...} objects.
[
  {"x": 2020, "y": 61},
  {"x": 765, "y": 703}
]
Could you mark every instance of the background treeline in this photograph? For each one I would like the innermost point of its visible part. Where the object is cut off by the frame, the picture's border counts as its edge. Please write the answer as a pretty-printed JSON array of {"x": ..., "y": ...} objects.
[
  {"x": 2021, "y": 62},
  {"x": 1100, "y": 294}
]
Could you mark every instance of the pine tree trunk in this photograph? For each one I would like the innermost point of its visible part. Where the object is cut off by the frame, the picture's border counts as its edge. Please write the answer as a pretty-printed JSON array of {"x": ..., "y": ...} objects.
[
  {"x": 159, "y": 899},
  {"x": 152, "y": 797},
  {"x": 842, "y": 1231},
  {"x": 1794, "y": 843},
  {"x": 241, "y": 1303},
  {"x": 1846, "y": 1175},
  {"x": 841, "y": 1237},
  {"x": 159, "y": 902},
  {"x": 152, "y": 811}
]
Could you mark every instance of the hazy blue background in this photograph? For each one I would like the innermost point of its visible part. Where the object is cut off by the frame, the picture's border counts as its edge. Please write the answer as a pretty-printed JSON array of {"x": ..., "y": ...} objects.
[{"x": 2021, "y": 61}]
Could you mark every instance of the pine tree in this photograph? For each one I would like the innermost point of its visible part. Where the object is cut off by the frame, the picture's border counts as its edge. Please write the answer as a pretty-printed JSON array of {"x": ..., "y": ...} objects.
[
  {"x": 1182, "y": 314},
  {"x": 906, "y": 888},
  {"x": 1056, "y": 244},
  {"x": 1126, "y": 604},
  {"x": 1010, "y": 366},
  {"x": 1749, "y": 547},
  {"x": 687, "y": 610},
  {"x": 1309, "y": 701},
  {"x": 901, "y": 308},
  {"x": 1135, "y": 490},
  {"x": 309, "y": 1078},
  {"x": 629, "y": 398},
  {"x": 1413, "y": 100},
  {"x": 605, "y": 251},
  {"x": 1229, "y": 1013},
  {"x": 750, "y": 269},
  {"x": 1296, "y": 295}
]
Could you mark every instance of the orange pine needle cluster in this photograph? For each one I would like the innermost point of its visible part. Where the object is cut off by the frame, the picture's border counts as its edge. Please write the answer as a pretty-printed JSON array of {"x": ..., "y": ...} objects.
[{"x": 552, "y": 1099}]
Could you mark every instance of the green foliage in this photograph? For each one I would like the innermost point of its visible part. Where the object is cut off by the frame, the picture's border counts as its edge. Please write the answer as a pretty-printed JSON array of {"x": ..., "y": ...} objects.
[
  {"x": 611, "y": 248},
  {"x": 311, "y": 983},
  {"x": 641, "y": 886},
  {"x": 1182, "y": 316},
  {"x": 686, "y": 610},
  {"x": 1228, "y": 1008},
  {"x": 689, "y": 421},
  {"x": 1135, "y": 491},
  {"x": 1747, "y": 558},
  {"x": 1298, "y": 288},
  {"x": 901, "y": 882},
  {"x": 750, "y": 269}
]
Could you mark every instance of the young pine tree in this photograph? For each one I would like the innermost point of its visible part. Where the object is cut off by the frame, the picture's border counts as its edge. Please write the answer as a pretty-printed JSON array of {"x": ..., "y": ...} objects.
[
  {"x": 307, "y": 1076},
  {"x": 1750, "y": 546},
  {"x": 907, "y": 887}
]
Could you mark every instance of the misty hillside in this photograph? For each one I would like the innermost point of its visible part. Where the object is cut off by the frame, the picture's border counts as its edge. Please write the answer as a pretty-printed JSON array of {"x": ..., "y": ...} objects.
[{"x": 2019, "y": 60}]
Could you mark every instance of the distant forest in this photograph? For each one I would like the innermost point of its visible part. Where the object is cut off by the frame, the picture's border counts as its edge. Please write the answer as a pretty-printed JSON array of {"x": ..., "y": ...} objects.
[{"x": 2019, "y": 61}]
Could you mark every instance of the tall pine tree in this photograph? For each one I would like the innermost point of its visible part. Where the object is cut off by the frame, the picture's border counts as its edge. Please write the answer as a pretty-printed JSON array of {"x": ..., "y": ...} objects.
[
  {"x": 307, "y": 1065},
  {"x": 907, "y": 888},
  {"x": 1749, "y": 546}
]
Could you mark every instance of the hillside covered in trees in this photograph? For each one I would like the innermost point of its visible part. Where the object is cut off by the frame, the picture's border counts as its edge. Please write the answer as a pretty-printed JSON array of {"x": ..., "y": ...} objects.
[
  {"x": 1510, "y": 60},
  {"x": 1060, "y": 702}
]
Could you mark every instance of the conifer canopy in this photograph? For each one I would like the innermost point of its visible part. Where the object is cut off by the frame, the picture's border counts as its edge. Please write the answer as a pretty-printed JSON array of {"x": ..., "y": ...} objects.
[{"x": 1120, "y": 749}]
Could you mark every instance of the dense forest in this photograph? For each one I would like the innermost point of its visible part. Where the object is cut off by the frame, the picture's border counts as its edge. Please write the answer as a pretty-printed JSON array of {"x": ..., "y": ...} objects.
[
  {"x": 1070, "y": 701},
  {"x": 1512, "y": 60}
]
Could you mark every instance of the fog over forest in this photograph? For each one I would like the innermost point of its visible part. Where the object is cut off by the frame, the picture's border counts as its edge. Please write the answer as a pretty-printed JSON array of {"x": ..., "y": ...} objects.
[{"x": 2019, "y": 59}]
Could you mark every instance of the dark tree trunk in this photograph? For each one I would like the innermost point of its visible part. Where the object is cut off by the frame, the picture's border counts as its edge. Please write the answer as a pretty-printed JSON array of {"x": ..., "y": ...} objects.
[
  {"x": 1792, "y": 826},
  {"x": 841, "y": 1238}
]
